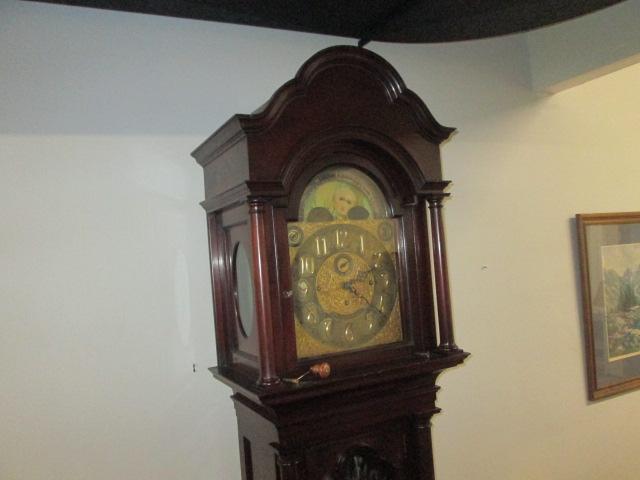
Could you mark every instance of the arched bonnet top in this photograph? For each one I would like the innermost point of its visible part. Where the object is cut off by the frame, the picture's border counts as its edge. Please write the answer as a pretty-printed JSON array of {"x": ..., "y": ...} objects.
[{"x": 342, "y": 97}]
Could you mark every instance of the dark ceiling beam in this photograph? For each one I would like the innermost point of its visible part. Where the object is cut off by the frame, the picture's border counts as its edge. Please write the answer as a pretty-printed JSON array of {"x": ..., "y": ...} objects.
[
  {"x": 396, "y": 11},
  {"x": 405, "y": 21},
  {"x": 458, "y": 20}
]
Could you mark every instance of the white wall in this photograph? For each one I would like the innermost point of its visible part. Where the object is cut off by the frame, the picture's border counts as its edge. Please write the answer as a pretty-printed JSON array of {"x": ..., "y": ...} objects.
[{"x": 104, "y": 293}]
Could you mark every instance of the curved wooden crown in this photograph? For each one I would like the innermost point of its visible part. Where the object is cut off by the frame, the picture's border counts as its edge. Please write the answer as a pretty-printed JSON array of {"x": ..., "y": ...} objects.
[
  {"x": 341, "y": 57},
  {"x": 342, "y": 95}
]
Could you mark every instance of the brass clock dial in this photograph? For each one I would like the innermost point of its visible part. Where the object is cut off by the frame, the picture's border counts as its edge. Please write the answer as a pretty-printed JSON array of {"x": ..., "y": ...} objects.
[
  {"x": 345, "y": 284},
  {"x": 343, "y": 265}
]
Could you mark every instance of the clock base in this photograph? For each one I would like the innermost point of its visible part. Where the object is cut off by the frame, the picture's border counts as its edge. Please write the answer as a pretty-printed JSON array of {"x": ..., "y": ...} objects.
[{"x": 379, "y": 430}]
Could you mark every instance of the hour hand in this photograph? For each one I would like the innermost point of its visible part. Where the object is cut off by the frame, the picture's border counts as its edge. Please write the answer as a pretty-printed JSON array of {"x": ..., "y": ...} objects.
[
  {"x": 361, "y": 275},
  {"x": 348, "y": 285},
  {"x": 352, "y": 288}
]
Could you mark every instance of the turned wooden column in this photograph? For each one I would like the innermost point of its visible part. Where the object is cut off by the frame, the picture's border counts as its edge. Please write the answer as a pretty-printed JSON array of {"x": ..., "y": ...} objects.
[
  {"x": 427, "y": 340},
  {"x": 423, "y": 460},
  {"x": 261, "y": 264},
  {"x": 441, "y": 273}
]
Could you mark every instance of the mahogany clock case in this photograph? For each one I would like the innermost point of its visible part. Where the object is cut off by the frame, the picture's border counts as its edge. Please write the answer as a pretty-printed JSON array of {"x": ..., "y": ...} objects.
[{"x": 345, "y": 108}]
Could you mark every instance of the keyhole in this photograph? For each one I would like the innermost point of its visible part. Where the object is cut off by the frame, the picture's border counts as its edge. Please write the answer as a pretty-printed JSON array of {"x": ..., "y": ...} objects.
[{"x": 343, "y": 264}]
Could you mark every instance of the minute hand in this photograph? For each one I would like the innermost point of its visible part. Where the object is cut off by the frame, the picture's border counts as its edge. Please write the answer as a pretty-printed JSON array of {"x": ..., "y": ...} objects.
[
  {"x": 352, "y": 288},
  {"x": 360, "y": 275}
]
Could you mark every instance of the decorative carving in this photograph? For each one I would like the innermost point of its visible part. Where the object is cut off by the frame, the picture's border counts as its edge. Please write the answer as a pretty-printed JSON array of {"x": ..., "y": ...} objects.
[
  {"x": 362, "y": 463},
  {"x": 289, "y": 467}
]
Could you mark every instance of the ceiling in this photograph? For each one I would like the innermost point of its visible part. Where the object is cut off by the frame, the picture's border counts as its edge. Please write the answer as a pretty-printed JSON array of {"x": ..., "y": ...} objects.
[{"x": 408, "y": 21}]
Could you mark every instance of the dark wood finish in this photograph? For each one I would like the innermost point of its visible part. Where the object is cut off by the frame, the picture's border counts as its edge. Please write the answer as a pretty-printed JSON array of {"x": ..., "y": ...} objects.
[
  {"x": 263, "y": 287},
  {"x": 348, "y": 107},
  {"x": 426, "y": 338},
  {"x": 583, "y": 221},
  {"x": 423, "y": 460},
  {"x": 217, "y": 254},
  {"x": 309, "y": 427}
]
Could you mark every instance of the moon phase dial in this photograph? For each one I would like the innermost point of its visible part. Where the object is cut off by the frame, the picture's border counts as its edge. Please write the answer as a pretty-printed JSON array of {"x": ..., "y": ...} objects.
[{"x": 346, "y": 287}]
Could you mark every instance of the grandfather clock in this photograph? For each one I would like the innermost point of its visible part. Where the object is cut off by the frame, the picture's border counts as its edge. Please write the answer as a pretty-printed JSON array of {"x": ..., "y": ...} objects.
[{"x": 328, "y": 263}]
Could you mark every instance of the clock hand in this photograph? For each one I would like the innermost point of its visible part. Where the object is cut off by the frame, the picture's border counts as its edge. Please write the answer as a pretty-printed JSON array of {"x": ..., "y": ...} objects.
[
  {"x": 350, "y": 287},
  {"x": 361, "y": 275}
]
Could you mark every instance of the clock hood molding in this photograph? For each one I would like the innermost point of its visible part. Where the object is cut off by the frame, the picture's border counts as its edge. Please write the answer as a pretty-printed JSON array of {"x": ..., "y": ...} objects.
[{"x": 328, "y": 81}]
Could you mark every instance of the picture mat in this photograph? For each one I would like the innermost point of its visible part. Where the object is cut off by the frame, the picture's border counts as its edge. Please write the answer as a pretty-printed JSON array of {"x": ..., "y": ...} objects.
[
  {"x": 600, "y": 230},
  {"x": 621, "y": 286}
]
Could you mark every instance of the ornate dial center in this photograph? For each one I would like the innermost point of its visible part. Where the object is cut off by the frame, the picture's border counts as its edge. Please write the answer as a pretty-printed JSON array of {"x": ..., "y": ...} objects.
[{"x": 342, "y": 286}]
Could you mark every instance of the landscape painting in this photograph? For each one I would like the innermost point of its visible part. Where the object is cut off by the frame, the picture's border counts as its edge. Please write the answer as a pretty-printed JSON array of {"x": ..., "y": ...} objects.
[{"x": 621, "y": 282}]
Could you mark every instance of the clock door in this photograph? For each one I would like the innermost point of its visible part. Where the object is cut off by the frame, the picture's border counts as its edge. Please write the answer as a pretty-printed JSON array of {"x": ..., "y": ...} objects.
[{"x": 344, "y": 266}]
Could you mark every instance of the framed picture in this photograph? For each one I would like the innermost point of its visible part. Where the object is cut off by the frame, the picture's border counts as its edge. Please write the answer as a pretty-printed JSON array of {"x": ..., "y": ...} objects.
[{"x": 610, "y": 265}]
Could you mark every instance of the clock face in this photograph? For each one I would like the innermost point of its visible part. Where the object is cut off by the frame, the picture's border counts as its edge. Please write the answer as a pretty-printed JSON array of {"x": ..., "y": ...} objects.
[{"x": 345, "y": 286}]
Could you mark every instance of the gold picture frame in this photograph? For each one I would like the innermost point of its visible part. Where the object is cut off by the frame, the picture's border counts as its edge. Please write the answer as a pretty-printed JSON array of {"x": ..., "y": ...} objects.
[{"x": 609, "y": 247}]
